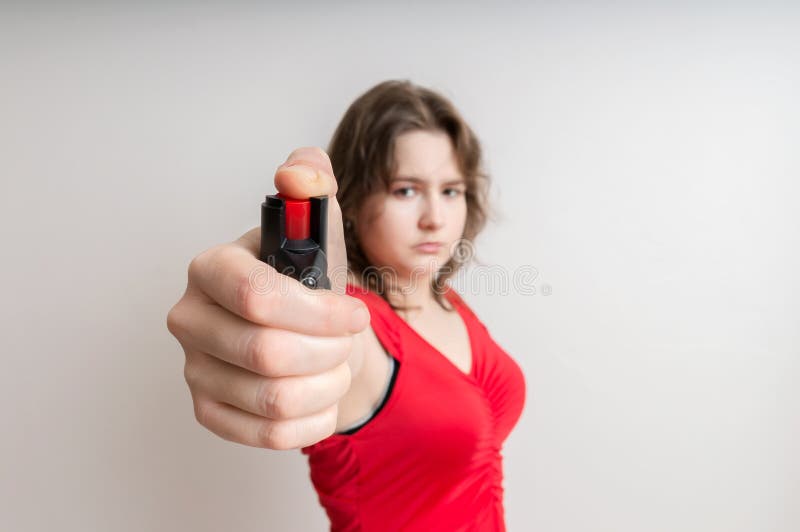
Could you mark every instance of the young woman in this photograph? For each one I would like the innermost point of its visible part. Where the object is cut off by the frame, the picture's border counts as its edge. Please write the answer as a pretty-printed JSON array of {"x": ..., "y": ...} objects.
[{"x": 402, "y": 410}]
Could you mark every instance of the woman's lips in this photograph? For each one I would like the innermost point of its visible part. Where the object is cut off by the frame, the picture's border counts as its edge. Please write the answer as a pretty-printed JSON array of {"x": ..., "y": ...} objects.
[{"x": 429, "y": 247}]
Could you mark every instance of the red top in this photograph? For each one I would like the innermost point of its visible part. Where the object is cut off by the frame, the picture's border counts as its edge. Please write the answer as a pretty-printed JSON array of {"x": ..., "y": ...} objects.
[
  {"x": 296, "y": 218},
  {"x": 431, "y": 458}
]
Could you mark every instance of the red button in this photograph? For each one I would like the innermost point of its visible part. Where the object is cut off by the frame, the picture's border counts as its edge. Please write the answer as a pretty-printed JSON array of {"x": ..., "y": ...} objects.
[{"x": 298, "y": 217}]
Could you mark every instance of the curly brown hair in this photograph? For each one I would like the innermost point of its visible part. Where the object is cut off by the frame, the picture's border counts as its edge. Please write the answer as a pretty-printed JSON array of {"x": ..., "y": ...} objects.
[{"x": 362, "y": 154}]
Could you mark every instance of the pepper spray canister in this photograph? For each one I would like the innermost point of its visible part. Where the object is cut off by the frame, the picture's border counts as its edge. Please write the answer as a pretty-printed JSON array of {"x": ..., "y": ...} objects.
[{"x": 294, "y": 238}]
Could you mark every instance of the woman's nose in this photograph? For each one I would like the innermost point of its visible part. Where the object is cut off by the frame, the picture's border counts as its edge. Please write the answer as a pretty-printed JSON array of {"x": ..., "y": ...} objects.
[{"x": 432, "y": 216}]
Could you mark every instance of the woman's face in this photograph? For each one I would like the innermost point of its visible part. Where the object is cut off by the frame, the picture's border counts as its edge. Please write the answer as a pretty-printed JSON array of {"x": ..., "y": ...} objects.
[{"x": 425, "y": 203}]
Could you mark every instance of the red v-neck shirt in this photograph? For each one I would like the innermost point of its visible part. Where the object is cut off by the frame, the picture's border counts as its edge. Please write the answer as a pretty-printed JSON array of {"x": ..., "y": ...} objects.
[{"x": 430, "y": 459}]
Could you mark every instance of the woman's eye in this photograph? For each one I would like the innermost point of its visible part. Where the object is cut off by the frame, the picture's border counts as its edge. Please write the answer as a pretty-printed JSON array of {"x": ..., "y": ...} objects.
[
  {"x": 402, "y": 192},
  {"x": 453, "y": 192}
]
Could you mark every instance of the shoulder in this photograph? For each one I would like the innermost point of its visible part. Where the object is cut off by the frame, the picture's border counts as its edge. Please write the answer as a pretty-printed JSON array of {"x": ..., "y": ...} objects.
[
  {"x": 458, "y": 301},
  {"x": 371, "y": 299},
  {"x": 383, "y": 321}
]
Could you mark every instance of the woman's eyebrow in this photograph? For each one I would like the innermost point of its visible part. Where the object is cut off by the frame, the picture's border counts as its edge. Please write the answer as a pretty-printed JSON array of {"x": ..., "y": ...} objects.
[{"x": 413, "y": 179}]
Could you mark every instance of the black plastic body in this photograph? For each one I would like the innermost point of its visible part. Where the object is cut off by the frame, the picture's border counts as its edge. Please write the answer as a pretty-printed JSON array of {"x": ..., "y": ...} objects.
[{"x": 304, "y": 260}]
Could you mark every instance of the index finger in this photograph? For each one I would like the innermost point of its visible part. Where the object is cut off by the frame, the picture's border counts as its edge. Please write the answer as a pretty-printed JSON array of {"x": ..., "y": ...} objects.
[{"x": 236, "y": 280}]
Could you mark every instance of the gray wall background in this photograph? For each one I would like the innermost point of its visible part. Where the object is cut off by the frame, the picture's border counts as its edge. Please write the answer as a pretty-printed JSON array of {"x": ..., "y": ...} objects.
[{"x": 645, "y": 154}]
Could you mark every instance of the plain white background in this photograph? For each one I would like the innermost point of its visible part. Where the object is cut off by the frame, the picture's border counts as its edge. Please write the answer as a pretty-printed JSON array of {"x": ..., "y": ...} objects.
[{"x": 645, "y": 163}]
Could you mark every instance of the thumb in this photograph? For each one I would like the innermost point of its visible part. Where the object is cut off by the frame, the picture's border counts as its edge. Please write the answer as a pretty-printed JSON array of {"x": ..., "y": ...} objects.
[{"x": 306, "y": 173}]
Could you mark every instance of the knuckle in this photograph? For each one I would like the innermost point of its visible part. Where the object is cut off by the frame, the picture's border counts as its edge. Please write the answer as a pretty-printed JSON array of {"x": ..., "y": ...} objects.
[
  {"x": 273, "y": 435},
  {"x": 188, "y": 374},
  {"x": 243, "y": 298},
  {"x": 254, "y": 352},
  {"x": 212, "y": 263},
  {"x": 197, "y": 264},
  {"x": 194, "y": 268},
  {"x": 206, "y": 265},
  {"x": 262, "y": 354},
  {"x": 271, "y": 398},
  {"x": 191, "y": 374},
  {"x": 174, "y": 321},
  {"x": 253, "y": 301},
  {"x": 202, "y": 411}
]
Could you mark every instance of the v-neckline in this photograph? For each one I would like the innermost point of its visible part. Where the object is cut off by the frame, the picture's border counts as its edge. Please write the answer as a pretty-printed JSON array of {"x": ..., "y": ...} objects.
[{"x": 470, "y": 339}]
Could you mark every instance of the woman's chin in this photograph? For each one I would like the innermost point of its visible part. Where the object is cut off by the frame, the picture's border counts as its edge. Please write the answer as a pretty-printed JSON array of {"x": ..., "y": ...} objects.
[{"x": 427, "y": 267}]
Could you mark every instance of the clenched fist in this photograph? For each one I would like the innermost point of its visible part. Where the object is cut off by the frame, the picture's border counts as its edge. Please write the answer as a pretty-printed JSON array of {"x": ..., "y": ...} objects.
[{"x": 268, "y": 367}]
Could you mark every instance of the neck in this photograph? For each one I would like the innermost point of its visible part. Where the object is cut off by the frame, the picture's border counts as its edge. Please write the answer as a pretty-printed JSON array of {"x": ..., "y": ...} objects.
[{"x": 413, "y": 292}]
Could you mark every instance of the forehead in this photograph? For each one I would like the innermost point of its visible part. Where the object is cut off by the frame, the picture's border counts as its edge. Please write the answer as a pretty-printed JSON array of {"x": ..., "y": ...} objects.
[{"x": 426, "y": 155}]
